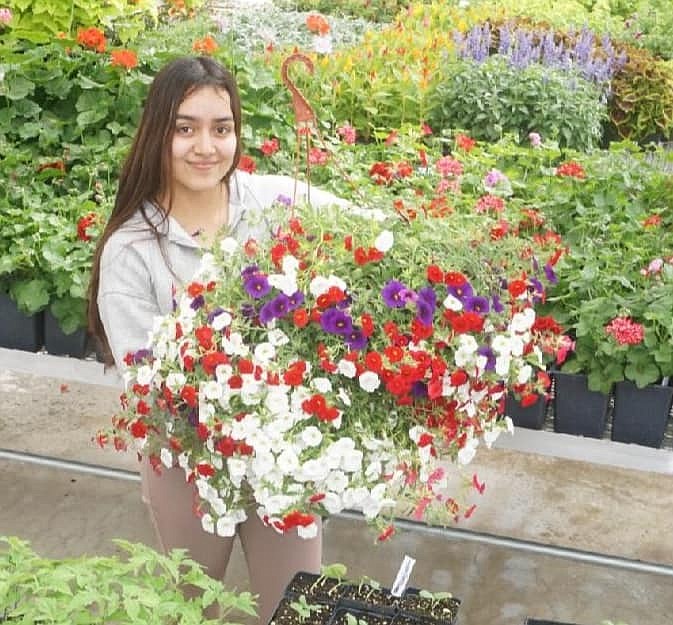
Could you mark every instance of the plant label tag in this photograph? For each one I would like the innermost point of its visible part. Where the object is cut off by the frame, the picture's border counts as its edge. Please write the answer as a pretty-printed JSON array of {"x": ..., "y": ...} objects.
[{"x": 403, "y": 575}]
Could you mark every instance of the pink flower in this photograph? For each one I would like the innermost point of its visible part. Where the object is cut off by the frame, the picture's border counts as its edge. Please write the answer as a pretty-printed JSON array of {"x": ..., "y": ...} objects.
[
  {"x": 448, "y": 166},
  {"x": 347, "y": 133},
  {"x": 5, "y": 16},
  {"x": 625, "y": 331},
  {"x": 316, "y": 156},
  {"x": 535, "y": 139}
]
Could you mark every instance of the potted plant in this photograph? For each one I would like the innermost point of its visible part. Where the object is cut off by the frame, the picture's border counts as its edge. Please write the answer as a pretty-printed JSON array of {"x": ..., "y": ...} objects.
[
  {"x": 65, "y": 256},
  {"x": 143, "y": 586}
]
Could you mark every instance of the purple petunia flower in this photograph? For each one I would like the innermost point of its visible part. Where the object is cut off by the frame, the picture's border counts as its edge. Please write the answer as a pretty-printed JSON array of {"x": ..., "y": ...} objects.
[
  {"x": 393, "y": 294},
  {"x": 257, "y": 285},
  {"x": 486, "y": 351},
  {"x": 356, "y": 340},
  {"x": 266, "y": 314},
  {"x": 197, "y": 302},
  {"x": 336, "y": 321},
  {"x": 428, "y": 294},
  {"x": 193, "y": 417},
  {"x": 250, "y": 270},
  {"x": 140, "y": 355},
  {"x": 296, "y": 300},
  {"x": 280, "y": 305},
  {"x": 419, "y": 389},
  {"x": 497, "y": 304},
  {"x": 477, "y": 304},
  {"x": 424, "y": 311},
  {"x": 462, "y": 291},
  {"x": 213, "y": 313},
  {"x": 284, "y": 199},
  {"x": 248, "y": 311}
]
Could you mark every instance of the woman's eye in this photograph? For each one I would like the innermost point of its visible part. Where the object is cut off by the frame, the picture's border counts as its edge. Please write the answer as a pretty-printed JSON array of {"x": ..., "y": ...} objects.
[
  {"x": 184, "y": 130},
  {"x": 223, "y": 130}
]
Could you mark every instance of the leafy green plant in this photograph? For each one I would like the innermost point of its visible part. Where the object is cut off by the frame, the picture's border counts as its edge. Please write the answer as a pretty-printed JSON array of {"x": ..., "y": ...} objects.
[
  {"x": 493, "y": 98},
  {"x": 303, "y": 608},
  {"x": 39, "y": 20},
  {"x": 144, "y": 586},
  {"x": 379, "y": 11}
]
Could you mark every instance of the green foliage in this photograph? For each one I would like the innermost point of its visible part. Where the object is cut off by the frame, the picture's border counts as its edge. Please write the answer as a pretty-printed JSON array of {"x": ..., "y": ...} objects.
[
  {"x": 492, "y": 99},
  {"x": 40, "y": 20},
  {"x": 143, "y": 587}
]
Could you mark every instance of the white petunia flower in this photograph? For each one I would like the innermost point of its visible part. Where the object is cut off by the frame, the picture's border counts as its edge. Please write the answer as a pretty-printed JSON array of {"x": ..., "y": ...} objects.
[
  {"x": 226, "y": 526},
  {"x": 166, "y": 458},
  {"x": 290, "y": 265},
  {"x": 283, "y": 282},
  {"x": 277, "y": 337},
  {"x": 452, "y": 303},
  {"x": 308, "y": 531},
  {"x": 466, "y": 454},
  {"x": 175, "y": 381},
  {"x": 322, "y": 385},
  {"x": 208, "y": 524},
  {"x": 311, "y": 436},
  {"x": 384, "y": 242},
  {"x": 265, "y": 353},
  {"x": 229, "y": 245},
  {"x": 347, "y": 368},
  {"x": 523, "y": 320},
  {"x": 221, "y": 320},
  {"x": 369, "y": 381}
]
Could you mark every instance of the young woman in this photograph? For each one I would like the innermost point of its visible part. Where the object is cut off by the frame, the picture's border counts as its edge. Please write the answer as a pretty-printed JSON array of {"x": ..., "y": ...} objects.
[{"x": 178, "y": 188}]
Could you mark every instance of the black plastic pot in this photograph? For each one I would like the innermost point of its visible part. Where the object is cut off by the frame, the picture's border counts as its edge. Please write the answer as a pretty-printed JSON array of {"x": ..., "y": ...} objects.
[
  {"x": 531, "y": 417},
  {"x": 18, "y": 330},
  {"x": 533, "y": 621},
  {"x": 577, "y": 410},
  {"x": 641, "y": 414},
  {"x": 59, "y": 343}
]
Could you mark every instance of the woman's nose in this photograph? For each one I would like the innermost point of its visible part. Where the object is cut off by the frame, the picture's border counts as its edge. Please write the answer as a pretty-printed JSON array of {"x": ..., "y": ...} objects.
[{"x": 204, "y": 143}]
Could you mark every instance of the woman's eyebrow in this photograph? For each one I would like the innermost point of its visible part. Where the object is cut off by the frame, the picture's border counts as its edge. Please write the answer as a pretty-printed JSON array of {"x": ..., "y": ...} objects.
[{"x": 193, "y": 118}]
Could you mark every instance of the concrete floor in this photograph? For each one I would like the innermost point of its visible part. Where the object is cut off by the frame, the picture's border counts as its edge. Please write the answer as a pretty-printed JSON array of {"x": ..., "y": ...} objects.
[{"x": 606, "y": 509}]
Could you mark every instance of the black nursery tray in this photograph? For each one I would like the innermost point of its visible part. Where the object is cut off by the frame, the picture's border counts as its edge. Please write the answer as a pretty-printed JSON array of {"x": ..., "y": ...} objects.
[
  {"x": 334, "y": 602},
  {"x": 534, "y": 621}
]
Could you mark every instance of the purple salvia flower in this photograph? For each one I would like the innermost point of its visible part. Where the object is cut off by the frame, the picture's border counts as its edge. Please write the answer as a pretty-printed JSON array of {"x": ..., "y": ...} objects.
[
  {"x": 549, "y": 272},
  {"x": 284, "y": 199}
]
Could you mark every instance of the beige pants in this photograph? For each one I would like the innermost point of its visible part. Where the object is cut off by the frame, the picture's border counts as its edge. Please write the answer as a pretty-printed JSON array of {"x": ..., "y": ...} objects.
[{"x": 272, "y": 558}]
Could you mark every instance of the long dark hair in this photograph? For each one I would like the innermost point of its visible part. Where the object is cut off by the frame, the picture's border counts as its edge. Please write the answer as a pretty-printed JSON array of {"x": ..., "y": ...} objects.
[{"x": 146, "y": 173}]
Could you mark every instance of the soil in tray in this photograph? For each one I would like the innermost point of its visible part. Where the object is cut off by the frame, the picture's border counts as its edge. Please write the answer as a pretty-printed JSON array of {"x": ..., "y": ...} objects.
[
  {"x": 291, "y": 611},
  {"x": 312, "y": 585},
  {"x": 364, "y": 593},
  {"x": 350, "y": 616},
  {"x": 444, "y": 610}
]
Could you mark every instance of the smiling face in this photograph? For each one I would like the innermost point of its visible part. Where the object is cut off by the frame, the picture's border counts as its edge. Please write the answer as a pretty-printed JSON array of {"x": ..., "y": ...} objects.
[{"x": 204, "y": 142}]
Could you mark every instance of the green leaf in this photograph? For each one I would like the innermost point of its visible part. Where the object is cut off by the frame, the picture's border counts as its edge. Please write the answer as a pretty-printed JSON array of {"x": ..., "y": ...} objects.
[
  {"x": 30, "y": 296},
  {"x": 18, "y": 87}
]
